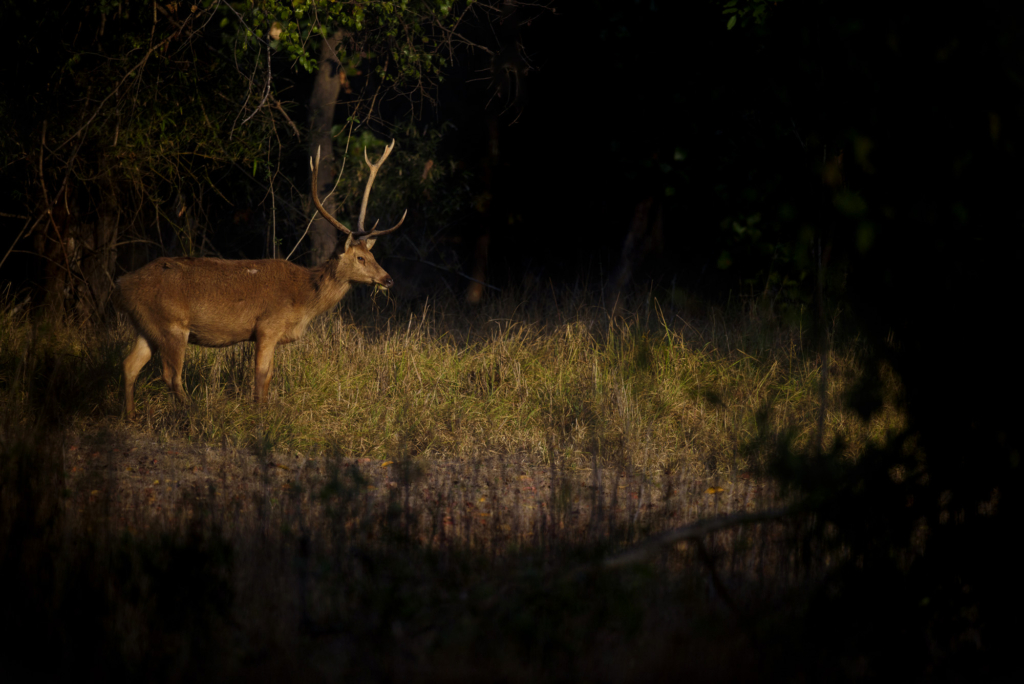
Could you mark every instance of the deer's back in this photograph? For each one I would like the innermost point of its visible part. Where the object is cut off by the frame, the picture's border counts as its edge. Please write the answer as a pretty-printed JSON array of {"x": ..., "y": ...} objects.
[{"x": 219, "y": 301}]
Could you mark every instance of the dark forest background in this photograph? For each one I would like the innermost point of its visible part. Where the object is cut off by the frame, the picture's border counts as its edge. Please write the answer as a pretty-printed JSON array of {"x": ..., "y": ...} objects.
[{"x": 852, "y": 162}]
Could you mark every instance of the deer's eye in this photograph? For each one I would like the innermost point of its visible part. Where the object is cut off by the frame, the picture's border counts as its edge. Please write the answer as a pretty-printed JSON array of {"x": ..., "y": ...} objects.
[{"x": 361, "y": 259}]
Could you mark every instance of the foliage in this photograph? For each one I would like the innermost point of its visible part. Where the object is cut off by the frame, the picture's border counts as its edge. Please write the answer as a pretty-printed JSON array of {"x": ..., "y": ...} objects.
[
  {"x": 149, "y": 128},
  {"x": 410, "y": 33},
  {"x": 417, "y": 176},
  {"x": 746, "y": 11},
  {"x": 129, "y": 120},
  {"x": 909, "y": 138}
]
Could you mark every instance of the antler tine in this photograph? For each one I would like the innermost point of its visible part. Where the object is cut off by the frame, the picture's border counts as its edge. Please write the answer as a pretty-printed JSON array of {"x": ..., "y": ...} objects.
[
  {"x": 375, "y": 233},
  {"x": 315, "y": 168},
  {"x": 369, "y": 182}
]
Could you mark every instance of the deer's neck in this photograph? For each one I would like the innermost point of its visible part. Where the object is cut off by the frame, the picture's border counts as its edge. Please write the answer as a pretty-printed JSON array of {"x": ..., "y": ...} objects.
[{"x": 329, "y": 287}]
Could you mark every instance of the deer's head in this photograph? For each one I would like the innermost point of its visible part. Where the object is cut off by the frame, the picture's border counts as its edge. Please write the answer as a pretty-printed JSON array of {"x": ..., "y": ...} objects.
[{"x": 355, "y": 263}]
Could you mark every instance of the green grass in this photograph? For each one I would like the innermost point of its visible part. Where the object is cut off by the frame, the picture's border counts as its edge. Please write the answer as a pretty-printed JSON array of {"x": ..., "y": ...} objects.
[{"x": 550, "y": 384}]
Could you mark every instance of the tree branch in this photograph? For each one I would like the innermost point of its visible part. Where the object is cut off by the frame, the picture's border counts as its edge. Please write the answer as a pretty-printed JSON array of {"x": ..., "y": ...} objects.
[{"x": 696, "y": 530}]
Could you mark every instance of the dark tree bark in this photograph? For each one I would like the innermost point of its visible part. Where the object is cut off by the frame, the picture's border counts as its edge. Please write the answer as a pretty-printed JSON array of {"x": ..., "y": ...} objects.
[
  {"x": 324, "y": 236},
  {"x": 475, "y": 291},
  {"x": 644, "y": 236},
  {"x": 508, "y": 82},
  {"x": 79, "y": 246},
  {"x": 80, "y": 259},
  {"x": 97, "y": 261}
]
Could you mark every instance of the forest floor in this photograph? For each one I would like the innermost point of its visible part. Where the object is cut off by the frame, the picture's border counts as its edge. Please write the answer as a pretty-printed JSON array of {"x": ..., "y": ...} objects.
[{"x": 142, "y": 482}]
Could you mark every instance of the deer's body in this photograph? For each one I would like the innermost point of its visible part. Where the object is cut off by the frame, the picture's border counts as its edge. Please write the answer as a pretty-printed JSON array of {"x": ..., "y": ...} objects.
[
  {"x": 174, "y": 302},
  {"x": 221, "y": 302}
]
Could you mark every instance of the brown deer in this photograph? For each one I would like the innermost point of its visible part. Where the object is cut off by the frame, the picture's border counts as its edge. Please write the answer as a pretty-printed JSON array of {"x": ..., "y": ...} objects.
[{"x": 173, "y": 302}]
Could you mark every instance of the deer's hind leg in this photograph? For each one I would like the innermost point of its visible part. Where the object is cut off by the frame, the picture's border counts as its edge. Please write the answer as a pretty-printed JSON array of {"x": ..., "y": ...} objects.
[
  {"x": 172, "y": 353},
  {"x": 139, "y": 356}
]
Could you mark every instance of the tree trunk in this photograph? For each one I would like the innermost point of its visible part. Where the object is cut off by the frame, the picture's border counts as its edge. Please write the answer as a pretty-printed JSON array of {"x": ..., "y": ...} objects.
[
  {"x": 644, "y": 236},
  {"x": 79, "y": 263},
  {"x": 57, "y": 250},
  {"x": 78, "y": 242},
  {"x": 475, "y": 291},
  {"x": 324, "y": 236},
  {"x": 98, "y": 257}
]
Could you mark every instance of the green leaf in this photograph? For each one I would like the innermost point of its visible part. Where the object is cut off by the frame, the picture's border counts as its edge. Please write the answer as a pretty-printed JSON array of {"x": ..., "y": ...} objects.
[
  {"x": 865, "y": 236},
  {"x": 850, "y": 203},
  {"x": 732, "y": 22}
]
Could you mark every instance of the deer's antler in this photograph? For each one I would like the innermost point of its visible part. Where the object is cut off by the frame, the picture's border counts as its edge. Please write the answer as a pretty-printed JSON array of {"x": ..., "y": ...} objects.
[
  {"x": 360, "y": 233},
  {"x": 315, "y": 168},
  {"x": 374, "y": 168}
]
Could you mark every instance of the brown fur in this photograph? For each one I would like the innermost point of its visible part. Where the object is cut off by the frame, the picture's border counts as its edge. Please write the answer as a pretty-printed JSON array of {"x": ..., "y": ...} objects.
[{"x": 173, "y": 302}]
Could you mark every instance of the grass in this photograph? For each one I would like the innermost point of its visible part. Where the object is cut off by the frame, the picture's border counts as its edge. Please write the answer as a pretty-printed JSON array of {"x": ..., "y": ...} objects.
[
  {"x": 424, "y": 496},
  {"x": 545, "y": 382}
]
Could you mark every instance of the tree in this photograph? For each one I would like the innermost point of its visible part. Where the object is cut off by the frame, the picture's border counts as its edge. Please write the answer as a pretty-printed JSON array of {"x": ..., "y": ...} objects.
[
  {"x": 147, "y": 123},
  {"x": 404, "y": 44},
  {"x": 120, "y": 134}
]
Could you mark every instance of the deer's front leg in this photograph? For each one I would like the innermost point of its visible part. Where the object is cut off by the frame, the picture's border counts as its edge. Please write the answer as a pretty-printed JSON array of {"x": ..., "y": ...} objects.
[{"x": 264, "y": 366}]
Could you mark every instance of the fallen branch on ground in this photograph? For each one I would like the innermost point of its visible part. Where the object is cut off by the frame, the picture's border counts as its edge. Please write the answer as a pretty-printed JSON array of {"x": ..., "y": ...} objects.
[{"x": 694, "y": 531}]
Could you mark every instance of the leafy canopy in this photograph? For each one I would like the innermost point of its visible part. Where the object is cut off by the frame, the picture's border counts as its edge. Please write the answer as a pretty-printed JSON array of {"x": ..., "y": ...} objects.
[{"x": 410, "y": 34}]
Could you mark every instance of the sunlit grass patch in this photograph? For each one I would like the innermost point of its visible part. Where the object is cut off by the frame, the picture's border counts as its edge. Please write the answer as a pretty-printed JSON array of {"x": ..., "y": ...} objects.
[{"x": 570, "y": 386}]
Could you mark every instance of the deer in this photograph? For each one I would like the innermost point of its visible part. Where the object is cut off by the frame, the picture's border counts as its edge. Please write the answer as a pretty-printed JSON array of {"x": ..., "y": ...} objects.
[{"x": 176, "y": 301}]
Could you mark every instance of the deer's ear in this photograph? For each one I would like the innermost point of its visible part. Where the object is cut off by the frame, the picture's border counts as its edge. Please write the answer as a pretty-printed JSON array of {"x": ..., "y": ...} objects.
[
  {"x": 349, "y": 242},
  {"x": 370, "y": 243}
]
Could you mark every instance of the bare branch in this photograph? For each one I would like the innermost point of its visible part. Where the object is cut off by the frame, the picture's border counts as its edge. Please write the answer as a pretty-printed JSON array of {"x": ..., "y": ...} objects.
[
  {"x": 141, "y": 63},
  {"x": 696, "y": 530},
  {"x": 25, "y": 227},
  {"x": 295, "y": 129},
  {"x": 266, "y": 93}
]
